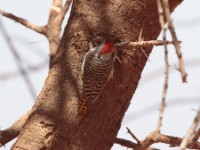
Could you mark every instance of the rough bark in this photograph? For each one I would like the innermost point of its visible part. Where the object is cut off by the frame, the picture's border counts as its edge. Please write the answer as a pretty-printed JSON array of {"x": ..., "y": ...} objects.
[{"x": 54, "y": 124}]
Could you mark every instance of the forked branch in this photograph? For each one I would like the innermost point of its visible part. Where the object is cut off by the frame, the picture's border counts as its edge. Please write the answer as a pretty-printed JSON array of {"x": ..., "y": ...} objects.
[{"x": 156, "y": 137}]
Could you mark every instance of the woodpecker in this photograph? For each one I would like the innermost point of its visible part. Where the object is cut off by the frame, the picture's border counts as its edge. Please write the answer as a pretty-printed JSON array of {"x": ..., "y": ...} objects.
[{"x": 97, "y": 69}]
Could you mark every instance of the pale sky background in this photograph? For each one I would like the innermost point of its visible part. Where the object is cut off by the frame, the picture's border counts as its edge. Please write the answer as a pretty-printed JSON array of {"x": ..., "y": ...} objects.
[{"x": 182, "y": 100}]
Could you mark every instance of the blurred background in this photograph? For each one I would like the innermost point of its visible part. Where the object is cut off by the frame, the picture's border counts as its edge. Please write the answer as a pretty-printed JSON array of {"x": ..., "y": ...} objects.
[{"x": 24, "y": 68}]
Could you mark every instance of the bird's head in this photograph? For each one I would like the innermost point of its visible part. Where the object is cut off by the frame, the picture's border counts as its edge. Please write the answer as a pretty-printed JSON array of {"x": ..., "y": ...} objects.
[{"x": 106, "y": 47}]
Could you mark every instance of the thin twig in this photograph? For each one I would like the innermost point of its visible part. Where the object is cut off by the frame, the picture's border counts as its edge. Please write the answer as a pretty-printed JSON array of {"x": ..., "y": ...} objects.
[
  {"x": 191, "y": 132},
  {"x": 17, "y": 60},
  {"x": 175, "y": 39},
  {"x": 39, "y": 29},
  {"x": 165, "y": 87},
  {"x": 132, "y": 135},
  {"x": 144, "y": 43}
]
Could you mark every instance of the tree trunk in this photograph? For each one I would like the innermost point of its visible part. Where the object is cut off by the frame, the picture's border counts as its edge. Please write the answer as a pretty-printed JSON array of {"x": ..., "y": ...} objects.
[{"x": 54, "y": 123}]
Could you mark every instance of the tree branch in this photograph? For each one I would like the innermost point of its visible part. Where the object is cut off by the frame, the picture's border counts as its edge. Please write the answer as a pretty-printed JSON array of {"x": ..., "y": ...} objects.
[
  {"x": 191, "y": 132},
  {"x": 64, "y": 10},
  {"x": 156, "y": 137},
  {"x": 175, "y": 39},
  {"x": 56, "y": 17},
  {"x": 52, "y": 29},
  {"x": 13, "y": 131},
  {"x": 39, "y": 29},
  {"x": 125, "y": 143},
  {"x": 129, "y": 144},
  {"x": 165, "y": 87},
  {"x": 144, "y": 43}
]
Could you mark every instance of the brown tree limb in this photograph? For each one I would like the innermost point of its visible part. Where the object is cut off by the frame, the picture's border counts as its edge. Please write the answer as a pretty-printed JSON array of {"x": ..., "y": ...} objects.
[
  {"x": 156, "y": 137},
  {"x": 14, "y": 130},
  {"x": 24, "y": 22},
  {"x": 165, "y": 87},
  {"x": 175, "y": 39},
  {"x": 191, "y": 132}
]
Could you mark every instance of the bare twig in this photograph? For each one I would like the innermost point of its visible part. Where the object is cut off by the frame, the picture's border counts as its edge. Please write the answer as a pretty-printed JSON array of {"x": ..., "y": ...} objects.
[
  {"x": 132, "y": 135},
  {"x": 13, "y": 131},
  {"x": 175, "y": 39},
  {"x": 165, "y": 87},
  {"x": 39, "y": 29},
  {"x": 191, "y": 132},
  {"x": 17, "y": 60},
  {"x": 144, "y": 43}
]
